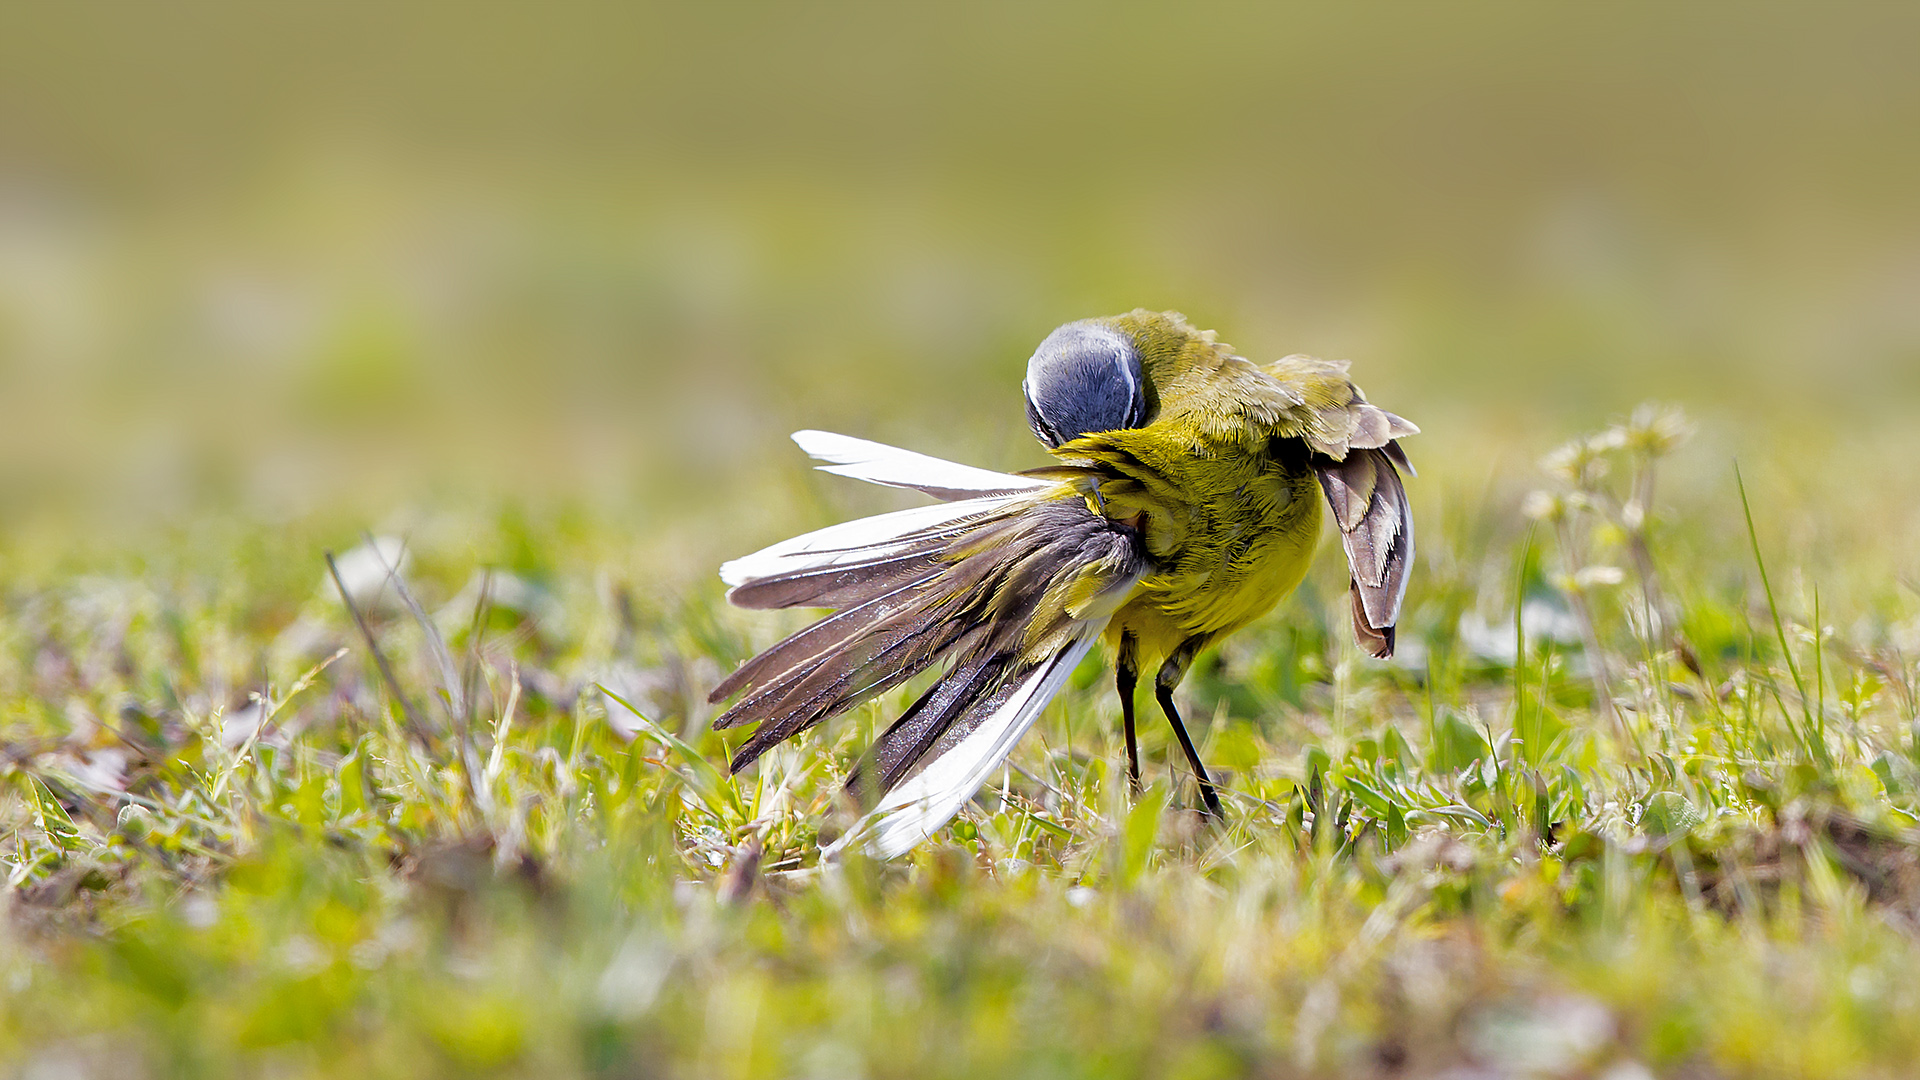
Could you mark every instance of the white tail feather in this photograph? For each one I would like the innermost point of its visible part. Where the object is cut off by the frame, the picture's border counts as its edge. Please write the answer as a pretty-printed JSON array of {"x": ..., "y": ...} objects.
[
  {"x": 918, "y": 808},
  {"x": 878, "y": 463},
  {"x": 850, "y": 541}
]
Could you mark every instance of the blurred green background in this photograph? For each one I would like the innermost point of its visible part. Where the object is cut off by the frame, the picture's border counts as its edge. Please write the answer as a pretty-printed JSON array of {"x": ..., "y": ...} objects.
[{"x": 278, "y": 257}]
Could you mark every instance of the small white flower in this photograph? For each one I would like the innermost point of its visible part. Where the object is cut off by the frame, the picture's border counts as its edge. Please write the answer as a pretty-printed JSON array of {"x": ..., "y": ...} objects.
[
  {"x": 1589, "y": 577},
  {"x": 1544, "y": 506}
]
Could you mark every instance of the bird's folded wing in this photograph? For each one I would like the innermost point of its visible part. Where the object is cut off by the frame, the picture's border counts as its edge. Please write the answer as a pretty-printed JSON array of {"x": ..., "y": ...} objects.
[
  {"x": 1331, "y": 414},
  {"x": 1376, "y": 528},
  {"x": 1356, "y": 455}
]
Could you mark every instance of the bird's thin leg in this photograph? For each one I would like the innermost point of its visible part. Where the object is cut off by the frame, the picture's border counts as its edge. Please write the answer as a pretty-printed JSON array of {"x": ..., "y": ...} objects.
[
  {"x": 1126, "y": 675},
  {"x": 1171, "y": 673}
]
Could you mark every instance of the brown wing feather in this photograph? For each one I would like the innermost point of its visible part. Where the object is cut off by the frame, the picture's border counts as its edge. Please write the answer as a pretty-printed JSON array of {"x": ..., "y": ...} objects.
[{"x": 1376, "y": 528}]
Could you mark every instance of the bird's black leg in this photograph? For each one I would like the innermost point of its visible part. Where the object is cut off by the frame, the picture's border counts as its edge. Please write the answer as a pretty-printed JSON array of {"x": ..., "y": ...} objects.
[
  {"x": 1126, "y": 675},
  {"x": 1171, "y": 673}
]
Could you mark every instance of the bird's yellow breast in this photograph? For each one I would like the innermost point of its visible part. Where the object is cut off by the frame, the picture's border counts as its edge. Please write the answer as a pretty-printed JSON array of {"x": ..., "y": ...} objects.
[{"x": 1229, "y": 526}]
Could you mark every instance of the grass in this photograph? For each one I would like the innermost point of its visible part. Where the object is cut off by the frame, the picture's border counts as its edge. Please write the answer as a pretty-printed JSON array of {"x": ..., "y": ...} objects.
[{"x": 1593, "y": 823}]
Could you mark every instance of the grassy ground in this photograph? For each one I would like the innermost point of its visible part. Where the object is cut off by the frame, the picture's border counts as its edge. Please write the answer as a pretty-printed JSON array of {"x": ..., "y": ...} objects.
[{"x": 1662, "y": 823}]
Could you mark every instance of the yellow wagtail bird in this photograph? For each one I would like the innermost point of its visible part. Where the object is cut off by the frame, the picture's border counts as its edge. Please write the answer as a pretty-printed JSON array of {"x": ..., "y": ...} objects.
[{"x": 1182, "y": 507}]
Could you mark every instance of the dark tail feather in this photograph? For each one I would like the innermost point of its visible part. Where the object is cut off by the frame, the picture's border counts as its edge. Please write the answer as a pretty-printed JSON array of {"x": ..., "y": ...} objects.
[
  {"x": 856, "y": 673},
  {"x": 834, "y": 586},
  {"x": 903, "y": 745},
  {"x": 971, "y": 600},
  {"x": 830, "y": 633}
]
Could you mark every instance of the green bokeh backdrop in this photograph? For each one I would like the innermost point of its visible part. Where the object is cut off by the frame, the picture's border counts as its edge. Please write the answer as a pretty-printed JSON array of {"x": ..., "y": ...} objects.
[{"x": 280, "y": 257}]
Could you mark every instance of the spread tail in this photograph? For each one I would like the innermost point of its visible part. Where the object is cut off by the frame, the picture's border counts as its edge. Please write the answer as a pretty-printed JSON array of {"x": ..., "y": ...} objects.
[{"x": 1007, "y": 589}]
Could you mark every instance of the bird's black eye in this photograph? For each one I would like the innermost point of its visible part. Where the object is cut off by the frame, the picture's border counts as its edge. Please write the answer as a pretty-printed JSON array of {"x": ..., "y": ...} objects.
[{"x": 1085, "y": 377}]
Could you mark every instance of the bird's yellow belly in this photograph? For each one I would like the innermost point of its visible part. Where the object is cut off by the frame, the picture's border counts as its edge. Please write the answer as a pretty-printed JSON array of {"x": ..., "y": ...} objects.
[{"x": 1243, "y": 547}]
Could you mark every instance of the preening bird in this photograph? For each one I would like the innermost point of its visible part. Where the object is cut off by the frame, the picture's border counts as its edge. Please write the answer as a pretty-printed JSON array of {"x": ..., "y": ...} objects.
[{"x": 1184, "y": 503}]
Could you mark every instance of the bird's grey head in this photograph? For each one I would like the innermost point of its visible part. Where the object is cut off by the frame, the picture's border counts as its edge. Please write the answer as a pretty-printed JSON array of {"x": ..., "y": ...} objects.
[{"x": 1085, "y": 377}]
